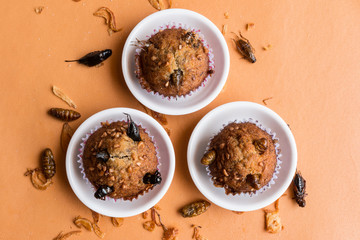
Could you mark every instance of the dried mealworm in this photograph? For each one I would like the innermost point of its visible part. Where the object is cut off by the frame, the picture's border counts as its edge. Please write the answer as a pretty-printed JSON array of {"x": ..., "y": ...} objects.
[{"x": 60, "y": 94}]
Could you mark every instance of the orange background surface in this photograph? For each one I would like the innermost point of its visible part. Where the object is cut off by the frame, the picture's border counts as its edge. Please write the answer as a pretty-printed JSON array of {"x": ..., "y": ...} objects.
[{"x": 312, "y": 74}]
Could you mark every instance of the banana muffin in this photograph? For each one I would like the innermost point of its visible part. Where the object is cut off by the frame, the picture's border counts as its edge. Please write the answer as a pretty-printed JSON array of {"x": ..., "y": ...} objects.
[
  {"x": 120, "y": 161},
  {"x": 241, "y": 158},
  {"x": 173, "y": 62}
]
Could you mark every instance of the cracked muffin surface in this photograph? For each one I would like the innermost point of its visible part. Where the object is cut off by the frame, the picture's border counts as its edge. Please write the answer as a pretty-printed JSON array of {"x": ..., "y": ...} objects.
[
  {"x": 111, "y": 158},
  {"x": 173, "y": 62},
  {"x": 241, "y": 158}
]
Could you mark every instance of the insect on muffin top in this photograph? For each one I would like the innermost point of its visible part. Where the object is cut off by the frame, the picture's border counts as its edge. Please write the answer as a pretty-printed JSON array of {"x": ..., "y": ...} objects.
[
  {"x": 173, "y": 62},
  {"x": 241, "y": 158},
  {"x": 120, "y": 161}
]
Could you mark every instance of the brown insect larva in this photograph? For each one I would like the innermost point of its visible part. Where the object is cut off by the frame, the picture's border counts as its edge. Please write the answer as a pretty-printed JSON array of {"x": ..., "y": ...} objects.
[
  {"x": 208, "y": 158},
  {"x": 195, "y": 208},
  {"x": 48, "y": 164},
  {"x": 64, "y": 114},
  {"x": 260, "y": 145}
]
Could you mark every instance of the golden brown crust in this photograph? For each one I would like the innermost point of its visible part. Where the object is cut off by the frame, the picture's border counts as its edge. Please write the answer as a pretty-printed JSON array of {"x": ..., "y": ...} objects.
[
  {"x": 128, "y": 163},
  {"x": 241, "y": 163},
  {"x": 173, "y": 62}
]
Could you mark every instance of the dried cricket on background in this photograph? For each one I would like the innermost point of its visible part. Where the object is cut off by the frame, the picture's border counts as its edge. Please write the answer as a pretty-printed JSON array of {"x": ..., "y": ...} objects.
[
  {"x": 97, "y": 231},
  {"x": 109, "y": 17},
  {"x": 95, "y": 58},
  {"x": 196, "y": 234},
  {"x": 153, "y": 217},
  {"x": 156, "y": 4},
  {"x": 38, "y": 179},
  {"x": 48, "y": 165},
  {"x": 64, "y": 114},
  {"x": 224, "y": 29},
  {"x": 149, "y": 225},
  {"x": 244, "y": 48},
  {"x": 60, "y": 94},
  {"x": 169, "y": 233},
  {"x": 145, "y": 214},
  {"x": 117, "y": 222},
  {"x": 38, "y": 10},
  {"x": 264, "y": 100},
  {"x": 76, "y": 0},
  {"x": 249, "y": 25},
  {"x": 95, "y": 216},
  {"x": 299, "y": 189},
  {"x": 64, "y": 236},
  {"x": 195, "y": 208},
  {"x": 268, "y": 47},
  {"x": 272, "y": 219},
  {"x": 159, "y": 4},
  {"x": 88, "y": 225},
  {"x": 83, "y": 222},
  {"x": 65, "y": 136},
  {"x": 226, "y": 15}
]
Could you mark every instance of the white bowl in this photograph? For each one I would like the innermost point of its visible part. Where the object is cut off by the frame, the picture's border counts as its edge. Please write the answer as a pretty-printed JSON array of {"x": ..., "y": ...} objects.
[
  {"x": 211, "y": 124},
  {"x": 120, "y": 208},
  {"x": 198, "y": 99}
]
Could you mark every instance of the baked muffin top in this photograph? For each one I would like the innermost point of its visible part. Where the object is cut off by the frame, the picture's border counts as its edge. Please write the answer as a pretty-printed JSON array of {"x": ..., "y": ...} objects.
[
  {"x": 173, "y": 62},
  {"x": 241, "y": 158},
  {"x": 116, "y": 164}
]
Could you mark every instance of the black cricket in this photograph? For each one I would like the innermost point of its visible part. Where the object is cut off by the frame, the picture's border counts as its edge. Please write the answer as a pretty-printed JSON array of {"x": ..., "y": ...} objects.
[
  {"x": 102, "y": 191},
  {"x": 133, "y": 130},
  {"x": 93, "y": 58},
  {"x": 299, "y": 189}
]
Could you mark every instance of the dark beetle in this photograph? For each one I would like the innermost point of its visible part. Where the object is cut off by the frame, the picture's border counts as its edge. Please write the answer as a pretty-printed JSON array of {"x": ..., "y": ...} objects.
[
  {"x": 189, "y": 37},
  {"x": 48, "y": 164},
  {"x": 102, "y": 191},
  {"x": 93, "y": 58},
  {"x": 152, "y": 178},
  {"x": 64, "y": 114},
  {"x": 103, "y": 155},
  {"x": 299, "y": 189},
  {"x": 133, "y": 130},
  {"x": 244, "y": 47}
]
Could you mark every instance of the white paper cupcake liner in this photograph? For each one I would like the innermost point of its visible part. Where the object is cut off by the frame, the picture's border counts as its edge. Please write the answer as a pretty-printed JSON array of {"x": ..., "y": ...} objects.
[
  {"x": 277, "y": 151},
  {"x": 174, "y": 25},
  {"x": 81, "y": 152}
]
